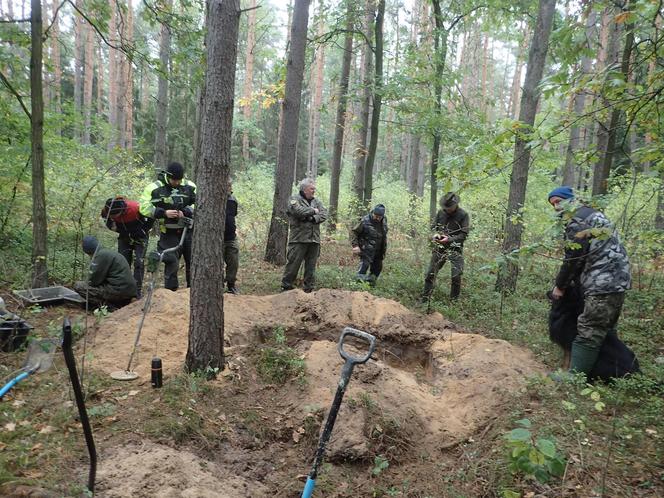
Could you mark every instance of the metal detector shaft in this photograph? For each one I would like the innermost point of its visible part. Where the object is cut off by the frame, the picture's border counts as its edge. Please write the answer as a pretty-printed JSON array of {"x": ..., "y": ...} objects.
[
  {"x": 80, "y": 402},
  {"x": 346, "y": 372},
  {"x": 148, "y": 298}
]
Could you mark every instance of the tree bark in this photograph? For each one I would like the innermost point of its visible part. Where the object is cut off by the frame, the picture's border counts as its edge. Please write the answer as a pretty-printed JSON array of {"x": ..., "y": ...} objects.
[
  {"x": 247, "y": 87},
  {"x": 100, "y": 80},
  {"x": 366, "y": 64},
  {"x": 275, "y": 251},
  {"x": 316, "y": 101},
  {"x": 516, "y": 81},
  {"x": 605, "y": 161},
  {"x": 112, "y": 76},
  {"x": 377, "y": 101},
  {"x": 80, "y": 33},
  {"x": 206, "y": 323},
  {"x": 160, "y": 150},
  {"x": 571, "y": 169},
  {"x": 57, "y": 65},
  {"x": 39, "y": 226},
  {"x": 340, "y": 122},
  {"x": 507, "y": 277},
  {"x": 128, "y": 75},
  {"x": 88, "y": 77}
]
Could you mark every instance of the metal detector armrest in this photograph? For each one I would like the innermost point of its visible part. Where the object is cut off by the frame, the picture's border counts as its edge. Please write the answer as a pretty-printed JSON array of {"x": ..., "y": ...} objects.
[{"x": 371, "y": 340}]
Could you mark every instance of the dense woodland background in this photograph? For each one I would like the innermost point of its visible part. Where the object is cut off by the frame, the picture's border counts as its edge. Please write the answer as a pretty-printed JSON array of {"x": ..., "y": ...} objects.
[{"x": 387, "y": 101}]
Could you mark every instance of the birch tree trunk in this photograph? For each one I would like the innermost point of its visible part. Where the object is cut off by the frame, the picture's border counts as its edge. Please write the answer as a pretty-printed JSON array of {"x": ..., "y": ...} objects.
[
  {"x": 247, "y": 87},
  {"x": 340, "y": 122},
  {"x": 160, "y": 150},
  {"x": 507, "y": 277},
  {"x": 275, "y": 251},
  {"x": 39, "y": 227},
  {"x": 205, "y": 352}
]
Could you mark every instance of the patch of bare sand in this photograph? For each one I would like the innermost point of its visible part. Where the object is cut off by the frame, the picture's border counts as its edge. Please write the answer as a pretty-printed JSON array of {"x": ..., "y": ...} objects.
[{"x": 149, "y": 470}]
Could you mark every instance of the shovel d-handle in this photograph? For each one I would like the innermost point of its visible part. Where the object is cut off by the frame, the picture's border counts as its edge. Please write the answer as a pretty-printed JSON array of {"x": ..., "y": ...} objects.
[
  {"x": 356, "y": 360},
  {"x": 80, "y": 402},
  {"x": 346, "y": 372}
]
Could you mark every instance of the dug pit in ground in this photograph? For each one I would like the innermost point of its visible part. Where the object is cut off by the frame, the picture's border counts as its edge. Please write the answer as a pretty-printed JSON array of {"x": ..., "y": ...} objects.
[{"x": 435, "y": 386}]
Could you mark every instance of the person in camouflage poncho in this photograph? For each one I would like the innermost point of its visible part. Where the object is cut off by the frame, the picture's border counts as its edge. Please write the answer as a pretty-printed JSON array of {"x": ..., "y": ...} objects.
[
  {"x": 597, "y": 260},
  {"x": 305, "y": 215}
]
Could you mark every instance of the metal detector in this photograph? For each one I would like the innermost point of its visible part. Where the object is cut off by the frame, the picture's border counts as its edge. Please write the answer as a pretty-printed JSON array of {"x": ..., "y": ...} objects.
[{"x": 154, "y": 263}]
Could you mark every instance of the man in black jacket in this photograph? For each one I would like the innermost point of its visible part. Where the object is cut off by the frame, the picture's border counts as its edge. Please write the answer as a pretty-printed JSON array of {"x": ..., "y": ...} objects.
[
  {"x": 170, "y": 200},
  {"x": 231, "y": 244},
  {"x": 369, "y": 241},
  {"x": 110, "y": 281},
  {"x": 450, "y": 231}
]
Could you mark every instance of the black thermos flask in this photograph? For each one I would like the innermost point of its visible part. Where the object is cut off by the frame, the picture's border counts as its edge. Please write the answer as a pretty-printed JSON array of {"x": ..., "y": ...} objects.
[{"x": 156, "y": 372}]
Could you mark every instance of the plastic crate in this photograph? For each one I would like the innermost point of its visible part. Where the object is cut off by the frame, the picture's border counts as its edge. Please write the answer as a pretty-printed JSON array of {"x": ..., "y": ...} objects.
[{"x": 49, "y": 295}]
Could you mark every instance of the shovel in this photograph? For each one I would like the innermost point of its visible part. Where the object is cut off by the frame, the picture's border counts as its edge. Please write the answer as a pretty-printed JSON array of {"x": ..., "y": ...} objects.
[
  {"x": 39, "y": 359},
  {"x": 346, "y": 372}
]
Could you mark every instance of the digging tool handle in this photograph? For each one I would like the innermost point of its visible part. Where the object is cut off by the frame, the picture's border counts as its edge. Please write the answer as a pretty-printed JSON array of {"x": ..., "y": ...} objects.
[
  {"x": 80, "y": 402},
  {"x": 7, "y": 387},
  {"x": 346, "y": 372}
]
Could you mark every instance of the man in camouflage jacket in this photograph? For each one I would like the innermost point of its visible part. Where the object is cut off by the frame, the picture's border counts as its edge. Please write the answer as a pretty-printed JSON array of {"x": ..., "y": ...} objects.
[
  {"x": 450, "y": 231},
  {"x": 596, "y": 259},
  {"x": 369, "y": 241},
  {"x": 305, "y": 214}
]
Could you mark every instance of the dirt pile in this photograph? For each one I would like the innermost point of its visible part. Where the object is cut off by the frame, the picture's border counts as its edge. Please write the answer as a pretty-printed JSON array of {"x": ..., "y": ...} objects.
[
  {"x": 428, "y": 387},
  {"x": 150, "y": 469}
]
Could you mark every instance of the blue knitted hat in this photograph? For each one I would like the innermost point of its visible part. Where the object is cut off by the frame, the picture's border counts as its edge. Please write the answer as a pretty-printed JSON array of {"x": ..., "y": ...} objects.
[
  {"x": 563, "y": 192},
  {"x": 379, "y": 210},
  {"x": 90, "y": 244}
]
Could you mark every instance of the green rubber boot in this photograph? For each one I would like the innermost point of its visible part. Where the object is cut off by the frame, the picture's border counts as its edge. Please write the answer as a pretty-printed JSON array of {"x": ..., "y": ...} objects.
[{"x": 583, "y": 358}]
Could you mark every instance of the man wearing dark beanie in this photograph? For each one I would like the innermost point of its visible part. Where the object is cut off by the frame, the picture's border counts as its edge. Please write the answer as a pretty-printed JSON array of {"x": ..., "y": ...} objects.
[
  {"x": 369, "y": 241},
  {"x": 110, "y": 281},
  {"x": 169, "y": 200},
  {"x": 596, "y": 260},
  {"x": 450, "y": 229}
]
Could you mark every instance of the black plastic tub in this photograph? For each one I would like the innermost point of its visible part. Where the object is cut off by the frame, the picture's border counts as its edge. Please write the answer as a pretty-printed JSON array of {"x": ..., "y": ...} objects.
[{"x": 13, "y": 334}]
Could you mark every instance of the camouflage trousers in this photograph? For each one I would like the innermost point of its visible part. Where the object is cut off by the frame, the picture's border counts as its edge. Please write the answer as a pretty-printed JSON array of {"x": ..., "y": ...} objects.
[
  {"x": 101, "y": 296},
  {"x": 232, "y": 261},
  {"x": 599, "y": 318},
  {"x": 298, "y": 252},
  {"x": 438, "y": 259}
]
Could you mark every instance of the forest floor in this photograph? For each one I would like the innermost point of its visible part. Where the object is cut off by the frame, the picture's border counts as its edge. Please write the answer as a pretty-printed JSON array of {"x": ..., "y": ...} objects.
[{"x": 426, "y": 417}]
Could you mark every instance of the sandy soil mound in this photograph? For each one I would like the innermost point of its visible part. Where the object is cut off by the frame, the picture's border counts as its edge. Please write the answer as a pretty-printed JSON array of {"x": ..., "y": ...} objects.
[
  {"x": 319, "y": 315},
  {"x": 150, "y": 470},
  {"x": 437, "y": 386}
]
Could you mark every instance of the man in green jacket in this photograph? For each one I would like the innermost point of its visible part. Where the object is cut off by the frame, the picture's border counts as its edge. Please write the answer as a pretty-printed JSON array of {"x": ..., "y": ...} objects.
[
  {"x": 305, "y": 214},
  {"x": 110, "y": 281},
  {"x": 369, "y": 241},
  {"x": 450, "y": 231}
]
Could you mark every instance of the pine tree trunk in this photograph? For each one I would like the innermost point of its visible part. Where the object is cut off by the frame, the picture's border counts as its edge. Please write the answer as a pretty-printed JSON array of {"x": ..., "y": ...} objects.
[
  {"x": 316, "y": 101},
  {"x": 571, "y": 169},
  {"x": 100, "y": 81},
  {"x": 88, "y": 78},
  {"x": 377, "y": 101},
  {"x": 80, "y": 34},
  {"x": 366, "y": 64},
  {"x": 160, "y": 150},
  {"x": 603, "y": 165},
  {"x": 340, "y": 122},
  {"x": 413, "y": 164},
  {"x": 39, "y": 227},
  {"x": 112, "y": 76},
  {"x": 57, "y": 65},
  {"x": 128, "y": 131},
  {"x": 205, "y": 352},
  {"x": 508, "y": 275},
  {"x": 516, "y": 81},
  {"x": 275, "y": 251},
  {"x": 247, "y": 88}
]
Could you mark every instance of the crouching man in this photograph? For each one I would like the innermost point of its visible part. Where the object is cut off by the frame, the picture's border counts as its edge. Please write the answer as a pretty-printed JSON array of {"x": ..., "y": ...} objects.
[{"x": 110, "y": 281}]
